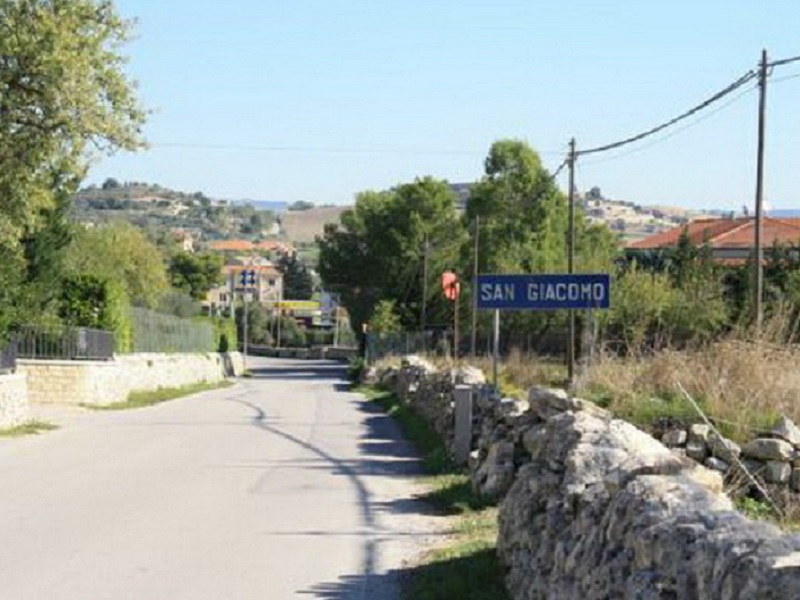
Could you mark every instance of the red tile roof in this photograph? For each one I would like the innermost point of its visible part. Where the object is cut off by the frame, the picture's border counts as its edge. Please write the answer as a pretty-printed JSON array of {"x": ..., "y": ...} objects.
[
  {"x": 725, "y": 233},
  {"x": 248, "y": 246}
]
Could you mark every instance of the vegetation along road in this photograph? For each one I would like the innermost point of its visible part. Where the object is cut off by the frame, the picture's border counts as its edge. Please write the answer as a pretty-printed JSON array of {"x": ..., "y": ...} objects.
[{"x": 285, "y": 485}]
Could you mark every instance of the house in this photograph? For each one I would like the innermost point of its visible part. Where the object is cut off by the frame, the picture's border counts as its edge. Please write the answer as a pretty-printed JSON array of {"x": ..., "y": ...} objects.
[
  {"x": 184, "y": 238},
  {"x": 245, "y": 246},
  {"x": 267, "y": 288},
  {"x": 731, "y": 240}
]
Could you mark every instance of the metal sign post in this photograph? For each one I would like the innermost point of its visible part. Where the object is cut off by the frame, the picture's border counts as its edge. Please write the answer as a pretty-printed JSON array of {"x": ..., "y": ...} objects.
[
  {"x": 496, "y": 351},
  {"x": 248, "y": 280},
  {"x": 542, "y": 292}
]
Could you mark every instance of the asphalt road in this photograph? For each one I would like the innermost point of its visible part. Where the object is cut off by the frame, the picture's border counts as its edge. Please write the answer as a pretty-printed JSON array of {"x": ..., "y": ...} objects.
[{"x": 283, "y": 486}]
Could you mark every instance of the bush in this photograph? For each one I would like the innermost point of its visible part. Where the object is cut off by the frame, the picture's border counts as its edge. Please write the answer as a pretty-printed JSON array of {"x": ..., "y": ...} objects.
[
  {"x": 355, "y": 368},
  {"x": 225, "y": 339}
]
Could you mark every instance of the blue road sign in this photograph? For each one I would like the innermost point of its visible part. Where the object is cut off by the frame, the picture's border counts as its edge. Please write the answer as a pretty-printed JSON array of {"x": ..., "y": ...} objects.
[
  {"x": 247, "y": 278},
  {"x": 543, "y": 292}
]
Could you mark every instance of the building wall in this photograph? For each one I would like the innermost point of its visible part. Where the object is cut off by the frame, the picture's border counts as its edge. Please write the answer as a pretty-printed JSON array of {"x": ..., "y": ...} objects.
[
  {"x": 106, "y": 382},
  {"x": 13, "y": 400}
]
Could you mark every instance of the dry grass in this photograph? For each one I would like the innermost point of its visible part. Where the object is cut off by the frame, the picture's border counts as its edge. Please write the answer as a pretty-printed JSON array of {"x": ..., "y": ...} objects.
[
  {"x": 517, "y": 373},
  {"x": 741, "y": 385}
]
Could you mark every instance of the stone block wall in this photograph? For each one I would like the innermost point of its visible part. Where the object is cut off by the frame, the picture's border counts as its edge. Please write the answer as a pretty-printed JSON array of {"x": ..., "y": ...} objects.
[
  {"x": 106, "y": 382},
  {"x": 592, "y": 508},
  {"x": 13, "y": 400}
]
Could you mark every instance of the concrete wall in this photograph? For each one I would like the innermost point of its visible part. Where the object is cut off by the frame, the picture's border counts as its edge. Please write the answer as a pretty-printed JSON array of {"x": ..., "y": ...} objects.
[
  {"x": 105, "y": 382},
  {"x": 13, "y": 400}
]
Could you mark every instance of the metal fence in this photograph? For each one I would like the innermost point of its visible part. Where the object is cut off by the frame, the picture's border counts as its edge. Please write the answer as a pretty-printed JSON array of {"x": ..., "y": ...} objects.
[
  {"x": 8, "y": 357},
  {"x": 440, "y": 343},
  {"x": 63, "y": 343},
  {"x": 156, "y": 332}
]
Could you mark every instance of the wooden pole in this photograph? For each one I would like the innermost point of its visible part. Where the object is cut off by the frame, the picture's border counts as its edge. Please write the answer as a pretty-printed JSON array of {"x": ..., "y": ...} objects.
[
  {"x": 571, "y": 260},
  {"x": 474, "y": 340},
  {"x": 424, "y": 288},
  {"x": 759, "y": 249}
]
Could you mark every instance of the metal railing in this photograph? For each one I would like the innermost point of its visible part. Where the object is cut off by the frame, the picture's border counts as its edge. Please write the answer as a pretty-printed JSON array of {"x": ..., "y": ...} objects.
[
  {"x": 156, "y": 332},
  {"x": 67, "y": 343},
  {"x": 8, "y": 357}
]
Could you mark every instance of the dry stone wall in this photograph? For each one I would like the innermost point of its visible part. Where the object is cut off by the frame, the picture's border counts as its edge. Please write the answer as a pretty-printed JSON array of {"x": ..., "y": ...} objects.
[
  {"x": 593, "y": 508},
  {"x": 13, "y": 400}
]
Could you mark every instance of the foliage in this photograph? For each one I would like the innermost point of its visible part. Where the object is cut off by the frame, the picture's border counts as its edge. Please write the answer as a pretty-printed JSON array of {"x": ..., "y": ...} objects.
[
  {"x": 179, "y": 304},
  {"x": 195, "y": 274},
  {"x": 355, "y": 367},
  {"x": 297, "y": 281},
  {"x": 225, "y": 338},
  {"x": 64, "y": 96},
  {"x": 524, "y": 219},
  {"x": 376, "y": 252},
  {"x": 143, "y": 399},
  {"x": 259, "y": 324},
  {"x": 467, "y": 566},
  {"x": 34, "y": 427},
  {"x": 291, "y": 335},
  {"x": 120, "y": 252},
  {"x": 385, "y": 318},
  {"x": 89, "y": 301},
  {"x": 300, "y": 205}
]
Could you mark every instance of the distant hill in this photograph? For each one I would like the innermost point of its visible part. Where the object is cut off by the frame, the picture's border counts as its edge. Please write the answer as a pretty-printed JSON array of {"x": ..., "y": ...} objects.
[
  {"x": 784, "y": 213},
  {"x": 276, "y": 206},
  {"x": 302, "y": 226},
  {"x": 160, "y": 210}
]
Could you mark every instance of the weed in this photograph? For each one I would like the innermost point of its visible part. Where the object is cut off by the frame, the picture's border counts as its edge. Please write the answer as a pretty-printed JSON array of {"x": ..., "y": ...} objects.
[
  {"x": 28, "y": 428},
  {"x": 149, "y": 398},
  {"x": 468, "y": 567}
]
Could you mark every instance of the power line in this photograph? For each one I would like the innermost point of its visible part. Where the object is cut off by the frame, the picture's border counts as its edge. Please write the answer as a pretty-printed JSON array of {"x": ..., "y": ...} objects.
[
  {"x": 784, "y": 61},
  {"x": 325, "y": 149},
  {"x": 749, "y": 76},
  {"x": 676, "y": 132}
]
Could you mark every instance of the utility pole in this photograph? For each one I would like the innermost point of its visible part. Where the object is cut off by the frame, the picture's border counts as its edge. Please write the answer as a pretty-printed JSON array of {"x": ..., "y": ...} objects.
[
  {"x": 571, "y": 259},
  {"x": 424, "y": 288},
  {"x": 759, "y": 272},
  {"x": 474, "y": 341}
]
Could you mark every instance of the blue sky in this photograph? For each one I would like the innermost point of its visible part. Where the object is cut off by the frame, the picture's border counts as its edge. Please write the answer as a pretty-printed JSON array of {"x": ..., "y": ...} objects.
[{"x": 317, "y": 100}]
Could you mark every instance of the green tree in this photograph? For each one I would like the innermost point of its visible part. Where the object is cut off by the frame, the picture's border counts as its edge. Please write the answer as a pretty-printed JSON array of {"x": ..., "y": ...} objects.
[
  {"x": 91, "y": 301},
  {"x": 120, "y": 252},
  {"x": 195, "y": 274},
  {"x": 297, "y": 281},
  {"x": 385, "y": 318},
  {"x": 524, "y": 221},
  {"x": 377, "y": 250},
  {"x": 64, "y": 97}
]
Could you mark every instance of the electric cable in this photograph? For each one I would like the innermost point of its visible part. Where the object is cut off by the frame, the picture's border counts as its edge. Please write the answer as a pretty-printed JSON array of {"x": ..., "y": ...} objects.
[{"x": 744, "y": 79}]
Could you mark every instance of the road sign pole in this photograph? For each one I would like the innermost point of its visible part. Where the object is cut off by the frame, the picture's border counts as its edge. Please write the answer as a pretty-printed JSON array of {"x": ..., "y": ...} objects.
[
  {"x": 455, "y": 329},
  {"x": 474, "y": 332},
  {"x": 244, "y": 299},
  {"x": 496, "y": 351}
]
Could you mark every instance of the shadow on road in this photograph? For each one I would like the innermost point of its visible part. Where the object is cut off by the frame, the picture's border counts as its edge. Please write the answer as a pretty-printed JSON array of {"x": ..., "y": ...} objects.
[
  {"x": 382, "y": 452},
  {"x": 466, "y": 571},
  {"x": 300, "y": 370}
]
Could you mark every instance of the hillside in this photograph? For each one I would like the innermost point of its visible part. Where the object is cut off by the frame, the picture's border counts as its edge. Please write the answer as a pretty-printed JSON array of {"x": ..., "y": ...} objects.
[
  {"x": 302, "y": 226},
  {"x": 633, "y": 221},
  {"x": 159, "y": 211}
]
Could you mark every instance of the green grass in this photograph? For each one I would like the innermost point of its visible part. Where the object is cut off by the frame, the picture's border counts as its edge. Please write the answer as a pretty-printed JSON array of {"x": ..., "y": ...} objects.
[
  {"x": 28, "y": 428},
  {"x": 466, "y": 568},
  {"x": 149, "y": 398}
]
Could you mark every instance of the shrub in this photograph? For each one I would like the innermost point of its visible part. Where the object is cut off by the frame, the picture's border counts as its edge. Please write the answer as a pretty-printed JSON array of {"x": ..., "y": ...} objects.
[{"x": 355, "y": 368}]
